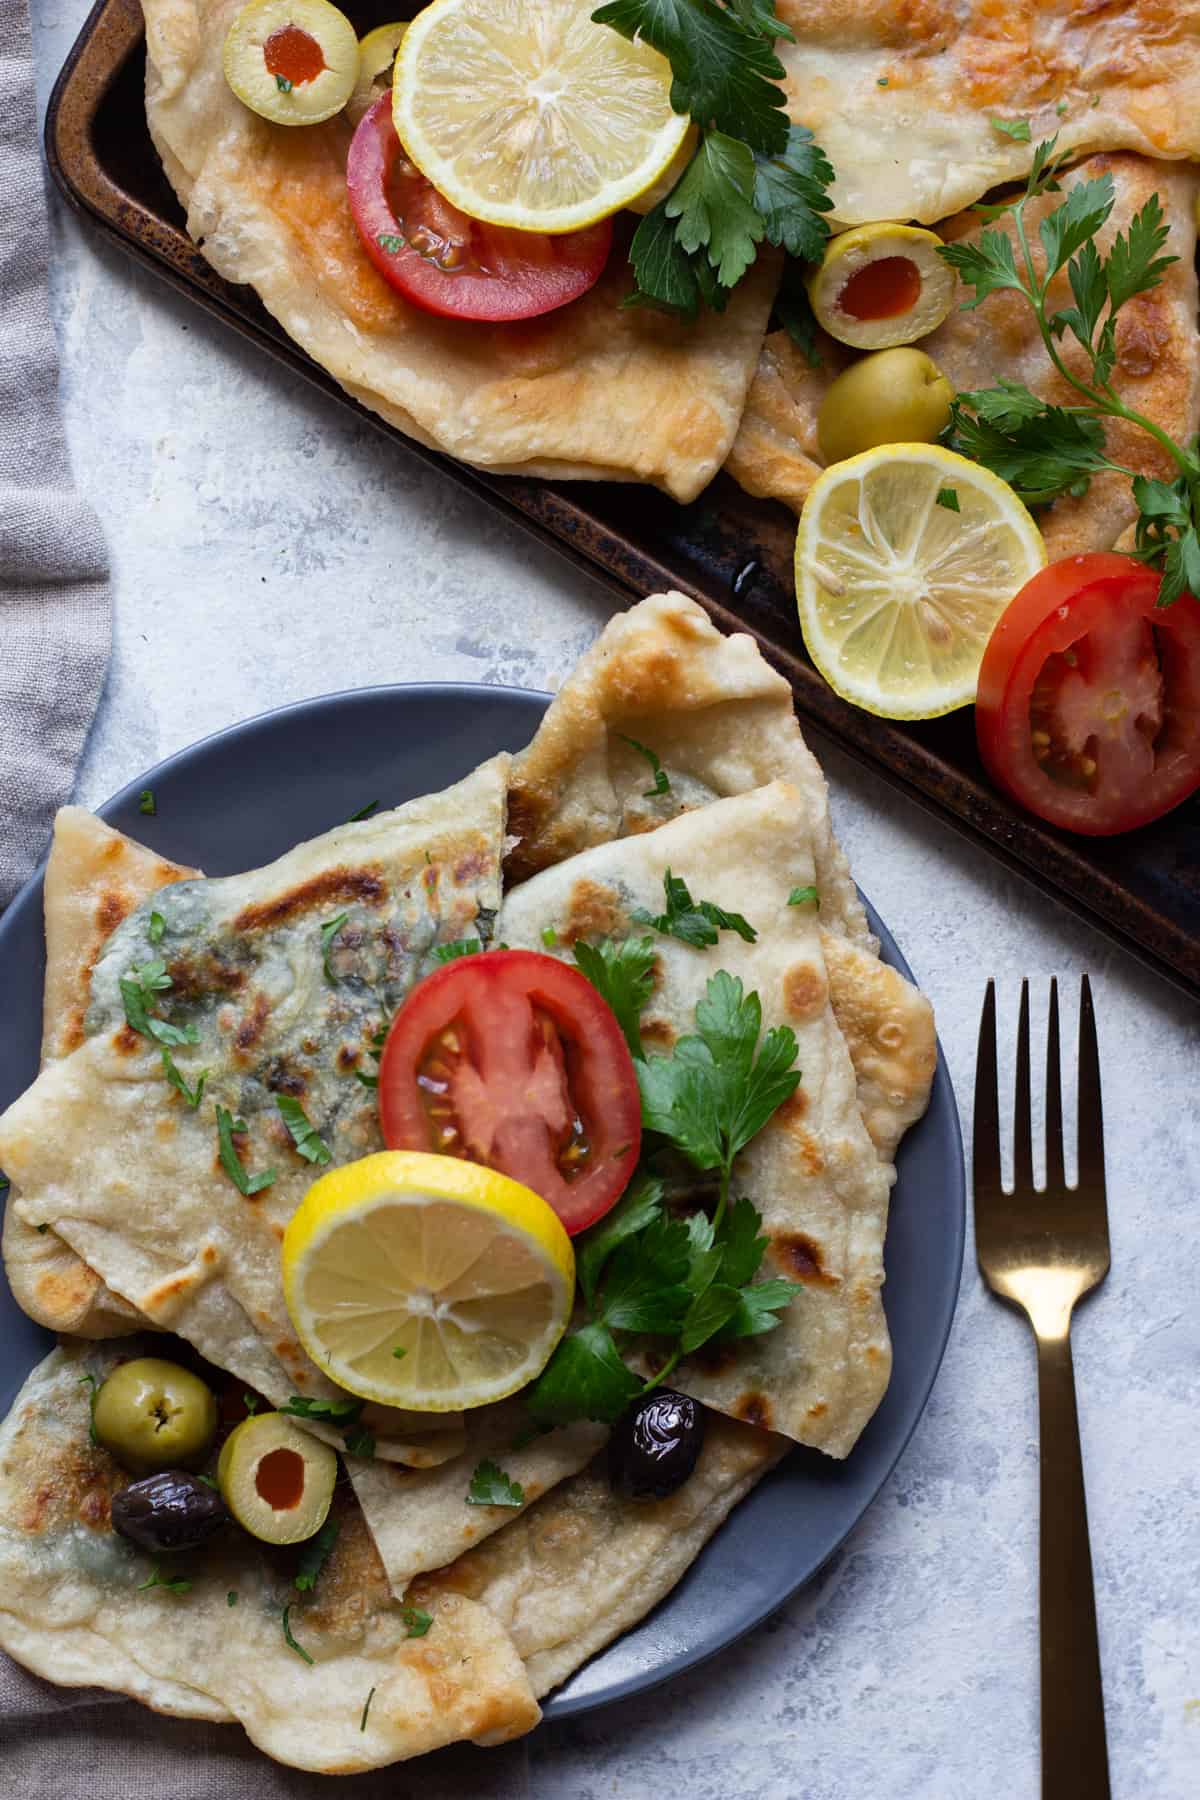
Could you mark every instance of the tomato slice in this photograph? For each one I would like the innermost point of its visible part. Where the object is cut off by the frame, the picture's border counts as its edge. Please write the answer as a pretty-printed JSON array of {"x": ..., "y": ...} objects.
[
  {"x": 445, "y": 262},
  {"x": 511, "y": 1059},
  {"x": 1088, "y": 708}
]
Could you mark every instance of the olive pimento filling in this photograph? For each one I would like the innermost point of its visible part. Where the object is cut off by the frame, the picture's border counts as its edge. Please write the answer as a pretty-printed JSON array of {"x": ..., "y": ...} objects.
[
  {"x": 294, "y": 55},
  {"x": 279, "y": 1479},
  {"x": 882, "y": 289}
]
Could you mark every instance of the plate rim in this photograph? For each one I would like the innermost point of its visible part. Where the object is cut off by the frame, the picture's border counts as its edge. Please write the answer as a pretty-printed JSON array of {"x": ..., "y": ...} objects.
[{"x": 561, "y": 1703}]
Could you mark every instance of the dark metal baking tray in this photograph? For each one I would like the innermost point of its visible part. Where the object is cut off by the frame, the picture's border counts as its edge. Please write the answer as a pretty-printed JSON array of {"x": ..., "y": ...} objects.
[{"x": 732, "y": 553}]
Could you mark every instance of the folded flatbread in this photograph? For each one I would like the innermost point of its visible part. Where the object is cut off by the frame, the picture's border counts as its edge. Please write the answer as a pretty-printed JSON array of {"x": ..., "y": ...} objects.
[
  {"x": 590, "y": 391},
  {"x": 1158, "y": 363},
  {"x": 104, "y": 1150},
  {"x": 583, "y": 1565},
  {"x": 95, "y": 877},
  {"x": 903, "y": 98},
  {"x": 75, "y": 1608},
  {"x": 813, "y": 1172},
  {"x": 721, "y": 722}
]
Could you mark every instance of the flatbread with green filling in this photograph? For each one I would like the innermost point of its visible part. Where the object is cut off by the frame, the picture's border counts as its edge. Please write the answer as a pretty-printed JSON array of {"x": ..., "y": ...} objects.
[
  {"x": 81, "y": 1606},
  {"x": 283, "y": 977}
]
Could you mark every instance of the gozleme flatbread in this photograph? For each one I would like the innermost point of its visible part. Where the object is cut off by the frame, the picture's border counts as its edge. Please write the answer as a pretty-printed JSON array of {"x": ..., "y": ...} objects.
[
  {"x": 106, "y": 1152},
  {"x": 73, "y": 1609},
  {"x": 1158, "y": 363},
  {"x": 813, "y": 1172},
  {"x": 589, "y": 391},
  {"x": 421, "y": 1518},
  {"x": 722, "y": 722},
  {"x": 583, "y": 1565},
  {"x": 903, "y": 98},
  {"x": 95, "y": 877}
]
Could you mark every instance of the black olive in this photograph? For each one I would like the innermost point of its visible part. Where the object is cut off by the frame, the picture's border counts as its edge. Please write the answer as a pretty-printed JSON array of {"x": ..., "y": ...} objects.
[
  {"x": 653, "y": 1449},
  {"x": 168, "y": 1511}
]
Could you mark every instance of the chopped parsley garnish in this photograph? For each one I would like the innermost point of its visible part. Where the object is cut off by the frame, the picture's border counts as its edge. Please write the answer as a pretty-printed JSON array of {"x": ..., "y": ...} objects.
[
  {"x": 174, "y": 1584},
  {"x": 948, "y": 497},
  {"x": 662, "y": 784},
  {"x": 549, "y": 937},
  {"x": 313, "y": 1556},
  {"x": 364, "y": 812},
  {"x": 338, "y": 1412},
  {"x": 804, "y": 896},
  {"x": 360, "y": 1443},
  {"x": 146, "y": 802},
  {"x": 753, "y": 175},
  {"x": 391, "y": 242},
  {"x": 283, "y": 84},
  {"x": 231, "y": 1598},
  {"x": 289, "y": 1640},
  {"x": 416, "y": 1622},
  {"x": 622, "y": 973},
  {"x": 156, "y": 928},
  {"x": 490, "y": 1486},
  {"x": 1013, "y": 128},
  {"x": 444, "y": 953},
  {"x": 1042, "y": 450},
  {"x": 231, "y": 1162},
  {"x": 307, "y": 1139},
  {"x": 694, "y": 922},
  {"x": 362, "y": 1723},
  {"x": 88, "y": 1381},
  {"x": 193, "y": 1096},
  {"x": 139, "y": 988},
  {"x": 367, "y": 1081},
  {"x": 399, "y": 1352},
  {"x": 251, "y": 1404},
  {"x": 643, "y": 1271},
  {"x": 329, "y": 932}
]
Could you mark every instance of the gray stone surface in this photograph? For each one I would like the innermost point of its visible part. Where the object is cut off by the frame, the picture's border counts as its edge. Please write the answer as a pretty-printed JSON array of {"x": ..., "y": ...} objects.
[{"x": 266, "y": 549}]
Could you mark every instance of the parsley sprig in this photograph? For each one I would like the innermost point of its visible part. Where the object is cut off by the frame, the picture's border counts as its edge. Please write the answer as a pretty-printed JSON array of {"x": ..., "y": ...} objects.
[
  {"x": 694, "y": 922},
  {"x": 491, "y": 1486},
  {"x": 140, "y": 987},
  {"x": 1042, "y": 450},
  {"x": 642, "y": 1271},
  {"x": 753, "y": 176}
]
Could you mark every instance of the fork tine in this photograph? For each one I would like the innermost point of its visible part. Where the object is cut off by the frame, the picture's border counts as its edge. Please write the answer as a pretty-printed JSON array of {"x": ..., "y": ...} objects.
[
  {"x": 1091, "y": 1118},
  {"x": 1055, "y": 1174},
  {"x": 1022, "y": 1110},
  {"x": 986, "y": 1153}
]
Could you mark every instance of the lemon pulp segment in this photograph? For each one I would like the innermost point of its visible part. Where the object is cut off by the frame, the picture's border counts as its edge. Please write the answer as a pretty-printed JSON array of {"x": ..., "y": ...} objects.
[
  {"x": 525, "y": 113},
  {"x": 468, "y": 1275},
  {"x": 898, "y": 592}
]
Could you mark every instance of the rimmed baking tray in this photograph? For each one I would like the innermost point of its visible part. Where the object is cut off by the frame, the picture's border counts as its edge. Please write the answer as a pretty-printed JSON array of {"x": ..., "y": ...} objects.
[{"x": 730, "y": 552}]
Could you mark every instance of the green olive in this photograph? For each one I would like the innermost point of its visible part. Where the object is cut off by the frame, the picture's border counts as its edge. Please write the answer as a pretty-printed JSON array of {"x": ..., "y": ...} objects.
[
  {"x": 276, "y": 1479},
  {"x": 893, "y": 397},
  {"x": 154, "y": 1415}
]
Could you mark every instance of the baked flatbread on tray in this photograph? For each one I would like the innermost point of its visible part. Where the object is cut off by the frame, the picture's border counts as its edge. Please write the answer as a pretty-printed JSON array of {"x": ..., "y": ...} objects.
[
  {"x": 583, "y": 1565},
  {"x": 903, "y": 98},
  {"x": 104, "y": 1150},
  {"x": 589, "y": 391},
  {"x": 1158, "y": 362},
  {"x": 75, "y": 1608},
  {"x": 812, "y": 1172}
]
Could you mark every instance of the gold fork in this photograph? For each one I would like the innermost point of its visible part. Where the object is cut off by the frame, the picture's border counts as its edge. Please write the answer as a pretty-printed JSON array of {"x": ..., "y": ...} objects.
[{"x": 1043, "y": 1250}]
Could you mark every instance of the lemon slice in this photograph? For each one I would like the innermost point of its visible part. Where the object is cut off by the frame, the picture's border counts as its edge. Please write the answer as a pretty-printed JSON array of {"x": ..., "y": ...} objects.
[
  {"x": 468, "y": 1273},
  {"x": 527, "y": 114},
  {"x": 898, "y": 593}
]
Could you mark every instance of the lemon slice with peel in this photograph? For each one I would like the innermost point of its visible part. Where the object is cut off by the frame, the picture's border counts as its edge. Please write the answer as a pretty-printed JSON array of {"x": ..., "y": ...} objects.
[
  {"x": 527, "y": 114},
  {"x": 467, "y": 1273},
  {"x": 898, "y": 592}
]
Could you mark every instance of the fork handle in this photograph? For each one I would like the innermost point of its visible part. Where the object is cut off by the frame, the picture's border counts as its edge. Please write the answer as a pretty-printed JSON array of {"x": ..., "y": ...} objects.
[{"x": 1074, "y": 1752}]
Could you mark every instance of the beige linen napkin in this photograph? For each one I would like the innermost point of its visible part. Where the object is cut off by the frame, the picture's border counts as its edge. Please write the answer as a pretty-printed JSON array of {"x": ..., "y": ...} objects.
[{"x": 55, "y": 614}]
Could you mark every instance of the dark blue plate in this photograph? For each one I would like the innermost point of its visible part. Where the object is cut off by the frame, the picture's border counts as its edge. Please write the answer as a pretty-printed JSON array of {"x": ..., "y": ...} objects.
[{"x": 244, "y": 796}]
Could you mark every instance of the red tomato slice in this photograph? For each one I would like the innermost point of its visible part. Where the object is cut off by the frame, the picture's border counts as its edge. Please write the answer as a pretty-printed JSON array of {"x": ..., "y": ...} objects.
[
  {"x": 511, "y": 1059},
  {"x": 447, "y": 263},
  {"x": 1088, "y": 709}
]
